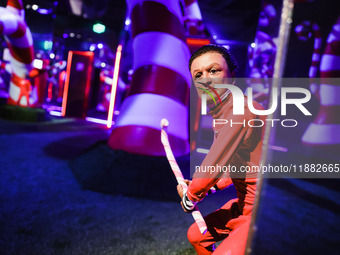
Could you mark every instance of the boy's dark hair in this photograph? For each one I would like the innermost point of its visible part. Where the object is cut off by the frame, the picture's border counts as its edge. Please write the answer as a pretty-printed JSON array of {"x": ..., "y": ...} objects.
[{"x": 229, "y": 58}]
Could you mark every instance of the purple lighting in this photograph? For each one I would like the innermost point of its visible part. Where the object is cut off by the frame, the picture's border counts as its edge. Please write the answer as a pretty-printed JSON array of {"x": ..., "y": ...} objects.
[
  {"x": 95, "y": 120},
  {"x": 44, "y": 11}
]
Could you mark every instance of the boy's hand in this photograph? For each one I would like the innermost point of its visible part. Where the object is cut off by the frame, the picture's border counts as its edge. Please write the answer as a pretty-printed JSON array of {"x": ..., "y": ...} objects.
[{"x": 180, "y": 189}]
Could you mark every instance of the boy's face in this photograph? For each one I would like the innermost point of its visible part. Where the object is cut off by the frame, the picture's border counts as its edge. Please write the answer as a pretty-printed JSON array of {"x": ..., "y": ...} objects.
[{"x": 207, "y": 70}]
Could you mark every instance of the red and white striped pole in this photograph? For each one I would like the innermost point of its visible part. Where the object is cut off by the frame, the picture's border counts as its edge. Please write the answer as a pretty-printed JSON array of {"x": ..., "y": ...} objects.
[
  {"x": 20, "y": 43},
  {"x": 325, "y": 130},
  {"x": 160, "y": 82},
  {"x": 178, "y": 174},
  {"x": 304, "y": 32}
]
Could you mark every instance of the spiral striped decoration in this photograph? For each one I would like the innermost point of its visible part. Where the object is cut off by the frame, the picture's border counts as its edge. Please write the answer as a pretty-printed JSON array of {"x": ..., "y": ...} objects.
[
  {"x": 20, "y": 43},
  {"x": 160, "y": 82},
  {"x": 325, "y": 130},
  {"x": 178, "y": 174},
  {"x": 304, "y": 31}
]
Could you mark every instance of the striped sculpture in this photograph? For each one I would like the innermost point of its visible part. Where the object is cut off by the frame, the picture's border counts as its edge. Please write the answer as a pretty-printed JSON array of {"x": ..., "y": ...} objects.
[
  {"x": 325, "y": 130},
  {"x": 304, "y": 31},
  {"x": 160, "y": 82},
  {"x": 20, "y": 43}
]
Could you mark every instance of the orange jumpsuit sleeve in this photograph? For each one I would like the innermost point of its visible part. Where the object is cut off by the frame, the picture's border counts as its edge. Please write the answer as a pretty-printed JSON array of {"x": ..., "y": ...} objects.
[
  {"x": 223, "y": 183},
  {"x": 221, "y": 153}
]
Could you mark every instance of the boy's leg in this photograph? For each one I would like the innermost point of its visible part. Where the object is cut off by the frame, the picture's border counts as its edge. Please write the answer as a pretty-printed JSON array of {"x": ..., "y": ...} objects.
[
  {"x": 217, "y": 228},
  {"x": 236, "y": 242}
]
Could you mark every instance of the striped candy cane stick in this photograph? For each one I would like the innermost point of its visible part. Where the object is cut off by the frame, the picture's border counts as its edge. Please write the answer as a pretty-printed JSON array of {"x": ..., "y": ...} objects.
[{"x": 178, "y": 174}]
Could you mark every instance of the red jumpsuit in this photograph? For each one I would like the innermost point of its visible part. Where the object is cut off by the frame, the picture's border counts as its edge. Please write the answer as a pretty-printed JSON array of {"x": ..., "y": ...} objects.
[{"x": 239, "y": 145}]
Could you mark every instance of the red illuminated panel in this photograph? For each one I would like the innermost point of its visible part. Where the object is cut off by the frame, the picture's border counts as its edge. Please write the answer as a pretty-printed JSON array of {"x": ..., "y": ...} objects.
[{"x": 77, "y": 84}]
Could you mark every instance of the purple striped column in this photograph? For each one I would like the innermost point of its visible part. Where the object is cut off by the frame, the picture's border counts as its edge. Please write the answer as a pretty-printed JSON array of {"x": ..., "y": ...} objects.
[
  {"x": 20, "y": 44},
  {"x": 325, "y": 130},
  {"x": 160, "y": 83}
]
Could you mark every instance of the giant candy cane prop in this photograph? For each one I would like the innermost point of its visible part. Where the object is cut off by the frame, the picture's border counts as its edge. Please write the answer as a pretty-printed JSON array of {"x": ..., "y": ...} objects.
[
  {"x": 20, "y": 44},
  {"x": 178, "y": 174}
]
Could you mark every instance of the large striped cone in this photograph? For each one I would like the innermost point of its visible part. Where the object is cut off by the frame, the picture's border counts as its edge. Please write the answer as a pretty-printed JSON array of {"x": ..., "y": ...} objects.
[
  {"x": 325, "y": 130},
  {"x": 160, "y": 83},
  {"x": 20, "y": 43},
  {"x": 304, "y": 31}
]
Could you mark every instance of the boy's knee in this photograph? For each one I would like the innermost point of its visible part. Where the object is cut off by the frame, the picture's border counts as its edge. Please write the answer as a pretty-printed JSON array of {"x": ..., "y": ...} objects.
[{"x": 194, "y": 234}]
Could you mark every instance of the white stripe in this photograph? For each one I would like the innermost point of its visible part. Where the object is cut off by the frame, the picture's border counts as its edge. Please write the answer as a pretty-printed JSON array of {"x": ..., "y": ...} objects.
[
  {"x": 22, "y": 42},
  {"x": 329, "y": 94},
  {"x": 333, "y": 37},
  {"x": 148, "y": 110},
  {"x": 9, "y": 21},
  {"x": 317, "y": 43},
  {"x": 322, "y": 134},
  {"x": 193, "y": 10},
  {"x": 335, "y": 34},
  {"x": 336, "y": 27},
  {"x": 14, "y": 91},
  {"x": 313, "y": 70},
  {"x": 8, "y": 68},
  {"x": 173, "y": 6},
  {"x": 20, "y": 69},
  {"x": 165, "y": 50},
  {"x": 316, "y": 57},
  {"x": 329, "y": 62},
  {"x": 20, "y": 13}
]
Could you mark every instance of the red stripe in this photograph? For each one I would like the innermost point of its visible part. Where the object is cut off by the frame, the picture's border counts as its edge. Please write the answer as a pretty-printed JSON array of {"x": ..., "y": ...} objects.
[
  {"x": 315, "y": 63},
  {"x": 188, "y": 2},
  {"x": 330, "y": 74},
  {"x": 144, "y": 140},
  {"x": 151, "y": 16},
  {"x": 1, "y": 27},
  {"x": 333, "y": 48},
  {"x": 16, "y": 79},
  {"x": 11, "y": 101},
  {"x": 160, "y": 80},
  {"x": 317, "y": 33},
  {"x": 16, "y": 4},
  {"x": 329, "y": 114},
  {"x": 317, "y": 51},
  {"x": 334, "y": 81},
  {"x": 23, "y": 55},
  {"x": 20, "y": 32}
]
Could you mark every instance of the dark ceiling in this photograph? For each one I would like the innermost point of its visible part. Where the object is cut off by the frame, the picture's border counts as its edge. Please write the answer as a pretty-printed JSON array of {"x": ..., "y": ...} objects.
[
  {"x": 225, "y": 19},
  {"x": 230, "y": 20},
  {"x": 234, "y": 20}
]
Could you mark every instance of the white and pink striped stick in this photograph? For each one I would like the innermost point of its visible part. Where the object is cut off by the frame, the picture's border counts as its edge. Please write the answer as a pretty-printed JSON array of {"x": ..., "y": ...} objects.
[{"x": 178, "y": 174}]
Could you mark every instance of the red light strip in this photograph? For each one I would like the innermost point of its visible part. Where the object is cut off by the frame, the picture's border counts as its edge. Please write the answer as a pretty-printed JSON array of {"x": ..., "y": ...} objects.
[
  {"x": 114, "y": 85},
  {"x": 67, "y": 81},
  {"x": 194, "y": 41}
]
